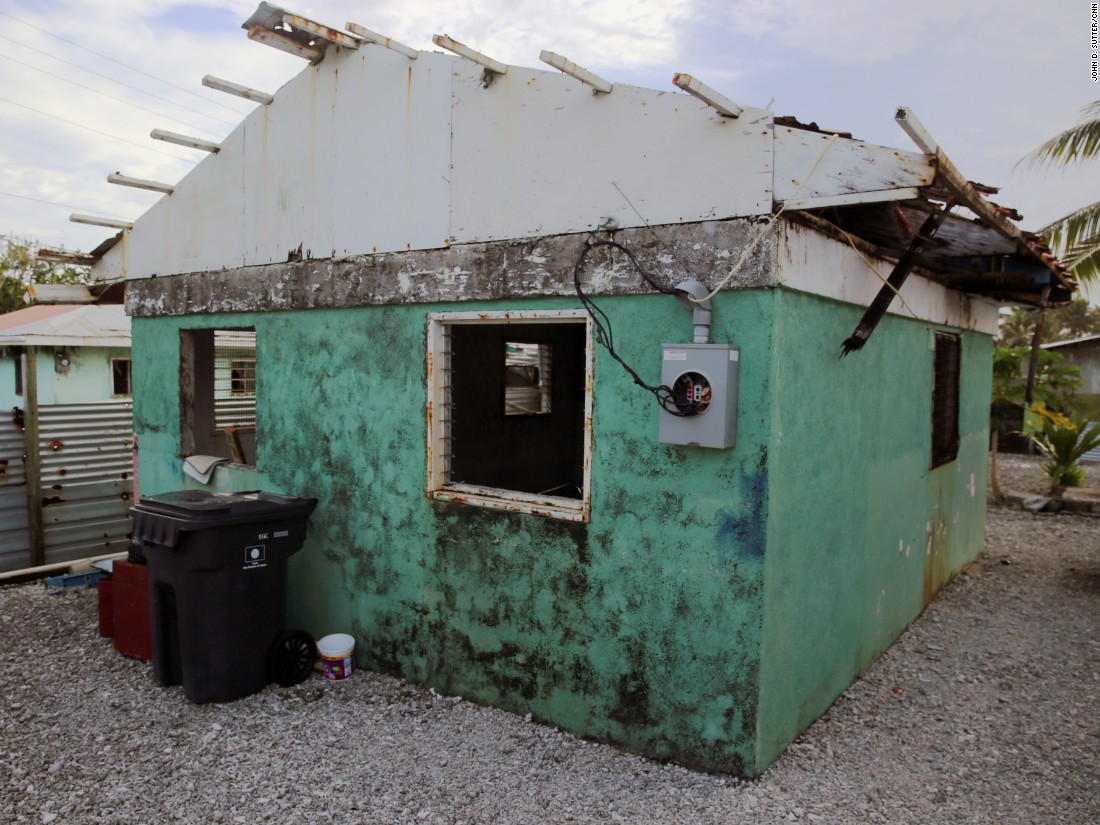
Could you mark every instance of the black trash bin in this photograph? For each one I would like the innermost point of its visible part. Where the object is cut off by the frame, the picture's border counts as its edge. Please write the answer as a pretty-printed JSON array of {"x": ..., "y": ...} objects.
[{"x": 217, "y": 586}]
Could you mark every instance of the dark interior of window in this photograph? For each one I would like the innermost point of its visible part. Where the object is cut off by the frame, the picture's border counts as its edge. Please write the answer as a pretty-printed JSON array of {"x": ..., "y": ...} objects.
[
  {"x": 120, "y": 376},
  {"x": 539, "y": 452},
  {"x": 947, "y": 360},
  {"x": 18, "y": 372}
]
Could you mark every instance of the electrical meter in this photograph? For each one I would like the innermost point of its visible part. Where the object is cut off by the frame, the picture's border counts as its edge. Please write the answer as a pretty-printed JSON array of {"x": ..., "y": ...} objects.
[{"x": 703, "y": 380}]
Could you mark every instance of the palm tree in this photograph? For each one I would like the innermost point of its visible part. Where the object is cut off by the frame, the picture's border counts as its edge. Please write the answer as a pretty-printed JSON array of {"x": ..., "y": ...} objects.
[{"x": 1076, "y": 236}]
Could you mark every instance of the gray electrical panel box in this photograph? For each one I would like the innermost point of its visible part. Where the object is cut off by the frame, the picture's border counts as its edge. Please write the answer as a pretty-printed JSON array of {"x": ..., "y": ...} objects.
[{"x": 703, "y": 380}]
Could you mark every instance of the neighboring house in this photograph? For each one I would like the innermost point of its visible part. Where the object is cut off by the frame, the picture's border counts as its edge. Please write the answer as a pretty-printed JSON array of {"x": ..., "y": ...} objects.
[
  {"x": 65, "y": 438},
  {"x": 504, "y": 513},
  {"x": 1083, "y": 353},
  {"x": 81, "y": 354}
]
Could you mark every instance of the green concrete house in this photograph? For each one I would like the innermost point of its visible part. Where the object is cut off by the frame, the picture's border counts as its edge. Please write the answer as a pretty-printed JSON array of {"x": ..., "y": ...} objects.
[{"x": 693, "y": 571}]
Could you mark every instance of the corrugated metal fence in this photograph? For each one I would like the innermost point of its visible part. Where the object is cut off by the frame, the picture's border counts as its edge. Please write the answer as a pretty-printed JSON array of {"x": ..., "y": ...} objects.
[
  {"x": 14, "y": 529},
  {"x": 86, "y": 463}
]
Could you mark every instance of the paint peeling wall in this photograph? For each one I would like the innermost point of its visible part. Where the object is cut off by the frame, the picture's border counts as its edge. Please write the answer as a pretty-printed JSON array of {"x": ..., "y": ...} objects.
[
  {"x": 862, "y": 533},
  {"x": 526, "y": 269},
  {"x": 641, "y": 627}
]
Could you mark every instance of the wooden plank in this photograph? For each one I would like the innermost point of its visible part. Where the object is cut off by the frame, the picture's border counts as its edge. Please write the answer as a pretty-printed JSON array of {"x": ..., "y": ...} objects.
[
  {"x": 853, "y": 198},
  {"x": 843, "y": 166}
]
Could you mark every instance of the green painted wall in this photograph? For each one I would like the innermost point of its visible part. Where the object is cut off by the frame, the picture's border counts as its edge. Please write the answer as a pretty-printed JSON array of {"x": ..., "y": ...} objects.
[
  {"x": 641, "y": 627},
  {"x": 862, "y": 532},
  {"x": 662, "y": 625}
]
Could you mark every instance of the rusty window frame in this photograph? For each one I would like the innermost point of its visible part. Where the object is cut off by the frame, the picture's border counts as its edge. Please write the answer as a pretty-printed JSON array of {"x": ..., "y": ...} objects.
[
  {"x": 439, "y": 486},
  {"x": 946, "y": 368}
]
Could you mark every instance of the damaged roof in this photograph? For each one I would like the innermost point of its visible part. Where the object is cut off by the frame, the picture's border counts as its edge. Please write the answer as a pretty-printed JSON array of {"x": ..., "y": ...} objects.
[{"x": 420, "y": 150}]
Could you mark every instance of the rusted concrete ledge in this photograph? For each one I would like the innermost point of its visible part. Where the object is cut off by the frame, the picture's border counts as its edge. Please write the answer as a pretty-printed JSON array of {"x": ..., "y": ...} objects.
[{"x": 539, "y": 267}]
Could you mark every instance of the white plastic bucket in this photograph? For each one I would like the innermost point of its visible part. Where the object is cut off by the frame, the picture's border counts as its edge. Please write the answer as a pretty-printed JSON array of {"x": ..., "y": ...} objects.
[{"x": 336, "y": 652}]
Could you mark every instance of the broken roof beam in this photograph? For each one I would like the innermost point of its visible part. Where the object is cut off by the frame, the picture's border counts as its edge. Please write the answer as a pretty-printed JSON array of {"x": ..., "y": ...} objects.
[
  {"x": 60, "y": 293},
  {"x": 320, "y": 30},
  {"x": 92, "y": 220},
  {"x": 184, "y": 140},
  {"x": 451, "y": 45},
  {"x": 363, "y": 33},
  {"x": 294, "y": 34},
  {"x": 139, "y": 183},
  {"x": 951, "y": 177},
  {"x": 285, "y": 44},
  {"x": 60, "y": 256},
  {"x": 971, "y": 197},
  {"x": 598, "y": 84},
  {"x": 216, "y": 83},
  {"x": 716, "y": 100}
]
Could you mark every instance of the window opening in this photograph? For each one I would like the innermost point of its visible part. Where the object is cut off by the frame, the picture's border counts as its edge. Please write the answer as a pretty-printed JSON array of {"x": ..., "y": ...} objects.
[
  {"x": 234, "y": 378},
  {"x": 527, "y": 388},
  {"x": 218, "y": 393},
  {"x": 947, "y": 360},
  {"x": 510, "y": 416},
  {"x": 120, "y": 376},
  {"x": 19, "y": 373}
]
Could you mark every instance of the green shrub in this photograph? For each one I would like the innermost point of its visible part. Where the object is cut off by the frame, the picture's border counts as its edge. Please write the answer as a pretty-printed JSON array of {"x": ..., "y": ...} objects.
[{"x": 1064, "y": 440}]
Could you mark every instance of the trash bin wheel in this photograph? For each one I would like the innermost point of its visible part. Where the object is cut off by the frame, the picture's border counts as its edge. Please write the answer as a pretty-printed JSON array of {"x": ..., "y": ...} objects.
[{"x": 291, "y": 658}]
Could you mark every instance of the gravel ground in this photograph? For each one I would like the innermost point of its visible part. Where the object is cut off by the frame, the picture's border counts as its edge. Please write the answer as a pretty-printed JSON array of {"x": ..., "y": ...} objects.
[{"x": 985, "y": 711}]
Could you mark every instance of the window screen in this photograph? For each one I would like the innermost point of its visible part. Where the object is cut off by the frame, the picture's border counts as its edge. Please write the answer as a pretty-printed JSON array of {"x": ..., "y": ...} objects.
[{"x": 234, "y": 378}]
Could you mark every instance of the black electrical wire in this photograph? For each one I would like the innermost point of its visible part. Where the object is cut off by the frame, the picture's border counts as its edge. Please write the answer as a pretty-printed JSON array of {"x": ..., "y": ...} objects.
[{"x": 664, "y": 394}]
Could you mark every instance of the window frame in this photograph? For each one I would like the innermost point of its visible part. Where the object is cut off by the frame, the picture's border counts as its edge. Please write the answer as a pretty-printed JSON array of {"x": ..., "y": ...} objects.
[
  {"x": 199, "y": 397},
  {"x": 438, "y": 390},
  {"x": 20, "y": 369},
  {"x": 129, "y": 378},
  {"x": 946, "y": 402}
]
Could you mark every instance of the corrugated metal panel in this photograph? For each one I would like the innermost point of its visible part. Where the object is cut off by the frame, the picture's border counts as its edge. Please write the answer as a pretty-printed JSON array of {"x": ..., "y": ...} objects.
[
  {"x": 1092, "y": 455},
  {"x": 87, "y": 464},
  {"x": 14, "y": 530}
]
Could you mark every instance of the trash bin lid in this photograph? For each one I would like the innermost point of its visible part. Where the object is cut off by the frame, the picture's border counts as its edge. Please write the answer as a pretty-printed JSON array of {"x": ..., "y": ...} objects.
[{"x": 200, "y": 508}]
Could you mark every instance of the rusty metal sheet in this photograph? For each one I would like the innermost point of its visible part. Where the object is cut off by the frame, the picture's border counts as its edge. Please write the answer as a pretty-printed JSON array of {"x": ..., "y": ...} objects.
[
  {"x": 87, "y": 479},
  {"x": 14, "y": 525}
]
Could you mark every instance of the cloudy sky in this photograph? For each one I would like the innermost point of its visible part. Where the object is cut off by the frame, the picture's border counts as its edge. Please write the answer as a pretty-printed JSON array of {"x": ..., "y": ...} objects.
[{"x": 83, "y": 84}]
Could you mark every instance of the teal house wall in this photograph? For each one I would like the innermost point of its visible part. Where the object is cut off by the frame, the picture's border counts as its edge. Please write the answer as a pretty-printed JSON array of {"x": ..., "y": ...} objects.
[
  {"x": 861, "y": 532},
  {"x": 87, "y": 380},
  {"x": 641, "y": 627},
  {"x": 715, "y": 603}
]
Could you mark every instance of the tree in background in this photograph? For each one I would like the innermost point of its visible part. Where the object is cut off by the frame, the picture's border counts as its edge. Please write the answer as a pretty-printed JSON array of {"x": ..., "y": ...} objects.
[
  {"x": 1074, "y": 320},
  {"x": 1075, "y": 236},
  {"x": 20, "y": 265},
  {"x": 1054, "y": 388}
]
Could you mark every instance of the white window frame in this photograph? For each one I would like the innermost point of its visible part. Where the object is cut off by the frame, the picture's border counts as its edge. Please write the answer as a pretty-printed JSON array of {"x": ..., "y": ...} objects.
[
  {"x": 129, "y": 378},
  {"x": 439, "y": 365}
]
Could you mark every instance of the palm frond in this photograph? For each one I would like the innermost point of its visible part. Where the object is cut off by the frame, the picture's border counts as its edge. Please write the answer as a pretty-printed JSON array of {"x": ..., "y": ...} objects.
[
  {"x": 1073, "y": 229},
  {"x": 1074, "y": 145},
  {"x": 1084, "y": 261}
]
